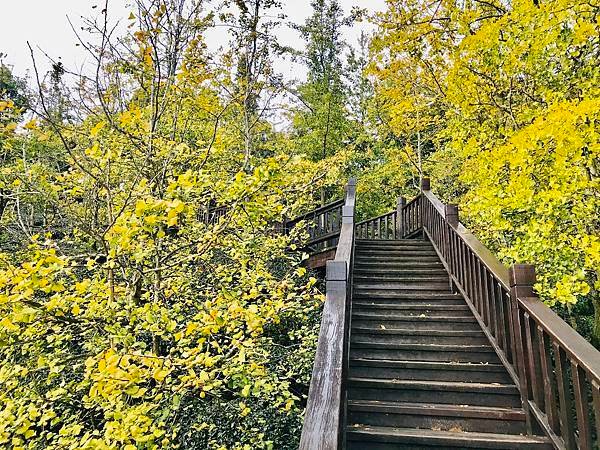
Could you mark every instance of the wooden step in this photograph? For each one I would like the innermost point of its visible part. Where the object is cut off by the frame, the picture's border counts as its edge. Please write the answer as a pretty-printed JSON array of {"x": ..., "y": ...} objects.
[
  {"x": 391, "y": 242},
  {"x": 436, "y": 416},
  {"x": 361, "y": 286},
  {"x": 393, "y": 302},
  {"x": 396, "y": 252},
  {"x": 415, "y": 296},
  {"x": 399, "y": 316},
  {"x": 429, "y": 371},
  {"x": 411, "y": 309},
  {"x": 395, "y": 259},
  {"x": 414, "y": 322},
  {"x": 407, "y": 271},
  {"x": 406, "y": 336},
  {"x": 400, "y": 278},
  {"x": 423, "y": 352},
  {"x": 446, "y": 392},
  {"x": 398, "y": 265},
  {"x": 389, "y": 438}
]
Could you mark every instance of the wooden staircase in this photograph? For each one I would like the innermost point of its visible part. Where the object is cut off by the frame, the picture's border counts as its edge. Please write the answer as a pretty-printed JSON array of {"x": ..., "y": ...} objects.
[
  {"x": 422, "y": 374},
  {"x": 428, "y": 341}
]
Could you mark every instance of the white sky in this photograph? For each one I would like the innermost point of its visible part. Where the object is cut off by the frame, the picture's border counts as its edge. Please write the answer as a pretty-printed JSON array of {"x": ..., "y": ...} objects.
[{"x": 44, "y": 24}]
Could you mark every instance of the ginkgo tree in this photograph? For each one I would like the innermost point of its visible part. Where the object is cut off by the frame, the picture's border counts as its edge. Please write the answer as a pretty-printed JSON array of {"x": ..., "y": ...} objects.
[
  {"x": 129, "y": 320},
  {"x": 514, "y": 90}
]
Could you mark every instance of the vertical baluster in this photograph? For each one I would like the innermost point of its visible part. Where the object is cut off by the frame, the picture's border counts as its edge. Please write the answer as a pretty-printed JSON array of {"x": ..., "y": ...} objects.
[
  {"x": 533, "y": 362},
  {"x": 462, "y": 264},
  {"x": 478, "y": 287},
  {"x": 501, "y": 319},
  {"x": 548, "y": 379},
  {"x": 485, "y": 295},
  {"x": 567, "y": 430},
  {"x": 454, "y": 253},
  {"x": 596, "y": 403},
  {"x": 493, "y": 312},
  {"x": 470, "y": 277},
  {"x": 379, "y": 228},
  {"x": 581, "y": 406},
  {"x": 386, "y": 224},
  {"x": 510, "y": 329},
  {"x": 475, "y": 282},
  {"x": 467, "y": 277}
]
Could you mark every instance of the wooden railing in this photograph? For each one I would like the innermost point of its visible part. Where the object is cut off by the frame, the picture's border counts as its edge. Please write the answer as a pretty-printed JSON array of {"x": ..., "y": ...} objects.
[
  {"x": 211, "y": 216},
  {"x": 322, "y": 224},
  {"x": 381, "y": 227},
  {"x": 557, "y": 370},
  {"x": 322, "y": 429}
]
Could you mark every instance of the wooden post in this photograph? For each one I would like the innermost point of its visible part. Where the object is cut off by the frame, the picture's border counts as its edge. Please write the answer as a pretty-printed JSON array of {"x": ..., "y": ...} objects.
[
  {"x": 425, "y": 184},
  {"x": 521, "y": 281},
  {"x": 348, "y": 210},
  {"x": 522, "y": 278},
  {"x": 400, "y": 217},
  {"x": 451, "y": 213}
]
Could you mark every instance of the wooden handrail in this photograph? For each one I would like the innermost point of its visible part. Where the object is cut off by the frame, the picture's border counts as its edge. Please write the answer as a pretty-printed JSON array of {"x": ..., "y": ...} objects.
[
  {"x": 322, "y": 429},
  {"x": 323, "y": 225},
  {"x": 316, "y": 212},
  {"x": 556, "y": 370}
]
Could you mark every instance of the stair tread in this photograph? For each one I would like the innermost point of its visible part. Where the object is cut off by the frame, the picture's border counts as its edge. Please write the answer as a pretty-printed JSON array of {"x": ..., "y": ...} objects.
[
  {"x": 360, "y": 329},
  {"x": 400, "y": 317},
  {"x": 470, "y": 438},
  {"x": 438, "y": 409},
  {"x": 417, "y": 295},
  {"x": 460, "y": 386},
  {"x": 426, "y": 347},
  {"x": 420, "y": 306},
  {"x": 440, "y": 365}
]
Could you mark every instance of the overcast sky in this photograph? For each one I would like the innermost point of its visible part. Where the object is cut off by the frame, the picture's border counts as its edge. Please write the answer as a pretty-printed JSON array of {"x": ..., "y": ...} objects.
[{"x": 44, "y": 23}]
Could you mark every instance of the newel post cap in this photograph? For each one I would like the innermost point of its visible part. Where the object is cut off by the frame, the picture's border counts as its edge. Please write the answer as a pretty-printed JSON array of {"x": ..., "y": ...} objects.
[
  {"x": 426, "y": 184},
  {"x": 451, "y": 214},
  {"x": 521, "y": 275}
]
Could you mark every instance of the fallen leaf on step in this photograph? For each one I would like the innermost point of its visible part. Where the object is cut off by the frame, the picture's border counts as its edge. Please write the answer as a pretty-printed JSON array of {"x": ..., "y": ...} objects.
[{"x": 383, "y": 327}]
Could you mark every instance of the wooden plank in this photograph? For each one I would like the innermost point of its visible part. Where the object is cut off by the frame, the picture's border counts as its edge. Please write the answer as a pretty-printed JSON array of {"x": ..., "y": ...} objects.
[
  {"x": 549, "y": 380},
  {"x": 581, "y": 407},
  {"x": 567, "y": 429},
  {"x": 322, "y": 428},
  {"x": 596, "y": 403},
  {"x": 322, "y": 423},
  {"x": 501, "y": 336},
  {"x": 533, "y": 362}
]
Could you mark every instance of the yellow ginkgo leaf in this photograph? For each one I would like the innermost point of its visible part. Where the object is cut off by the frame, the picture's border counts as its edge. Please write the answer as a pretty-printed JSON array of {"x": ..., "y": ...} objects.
[
  {"x": 8, "y": 325},
  {"x": 94, "y": 131}
]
